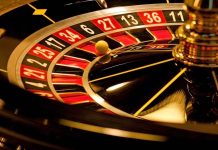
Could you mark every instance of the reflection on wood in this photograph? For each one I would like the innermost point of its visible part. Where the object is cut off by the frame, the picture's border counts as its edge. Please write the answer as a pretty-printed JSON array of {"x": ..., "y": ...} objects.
[{"x": 8, "y": 5}]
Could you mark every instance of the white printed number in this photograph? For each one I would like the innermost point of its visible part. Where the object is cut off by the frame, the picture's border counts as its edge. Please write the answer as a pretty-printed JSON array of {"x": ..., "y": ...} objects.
[
  {"x": 37, "y": 62},
  {"x": 43, "y": 52},
  {"x": 130, "y": 20},
  {"x": 88, "y": 30},
  {"x": 153, "y": 17},
  {"x": 174, "y": 16},
  {"x": 107, "y": 24},
  {"x": 70, "y": 35}
]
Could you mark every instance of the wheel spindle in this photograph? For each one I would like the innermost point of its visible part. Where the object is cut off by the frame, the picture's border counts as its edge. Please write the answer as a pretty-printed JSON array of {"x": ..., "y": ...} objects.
[{"x": 198, "y": 51}]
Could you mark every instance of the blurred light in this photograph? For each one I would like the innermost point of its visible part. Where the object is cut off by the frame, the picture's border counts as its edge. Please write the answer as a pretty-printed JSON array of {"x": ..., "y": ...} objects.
[
  {"x": 173, "y": 113},
  {"x": 117, "y": 86}
]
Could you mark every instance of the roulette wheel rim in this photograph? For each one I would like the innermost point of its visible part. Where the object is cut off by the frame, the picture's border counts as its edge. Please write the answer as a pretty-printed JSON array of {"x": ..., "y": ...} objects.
[
  {"x": 15, "y": 74},
  {"x": 72, "y": 124}
]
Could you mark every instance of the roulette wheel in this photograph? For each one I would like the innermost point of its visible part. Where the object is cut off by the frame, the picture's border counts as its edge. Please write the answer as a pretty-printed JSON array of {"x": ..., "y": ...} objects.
[{"x": 107, "y": 73}]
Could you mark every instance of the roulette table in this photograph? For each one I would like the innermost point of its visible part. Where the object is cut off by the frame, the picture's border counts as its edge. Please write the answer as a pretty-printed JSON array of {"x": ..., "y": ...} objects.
[{"x": 106, "y": 73}]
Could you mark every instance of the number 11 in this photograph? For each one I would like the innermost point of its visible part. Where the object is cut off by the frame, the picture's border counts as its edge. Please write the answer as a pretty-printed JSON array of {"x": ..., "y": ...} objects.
[{"x": 179, "y": 14}]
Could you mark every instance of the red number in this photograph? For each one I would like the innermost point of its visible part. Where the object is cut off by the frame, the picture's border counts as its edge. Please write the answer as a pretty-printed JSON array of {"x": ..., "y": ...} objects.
[
  {"x": 43, "y": 52},
  {"x": 152, "y": 17},
  {"x": 69, "y": 35},
  {"x": 107, "y": 24},
  {"x": 33, "y": 73}
]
